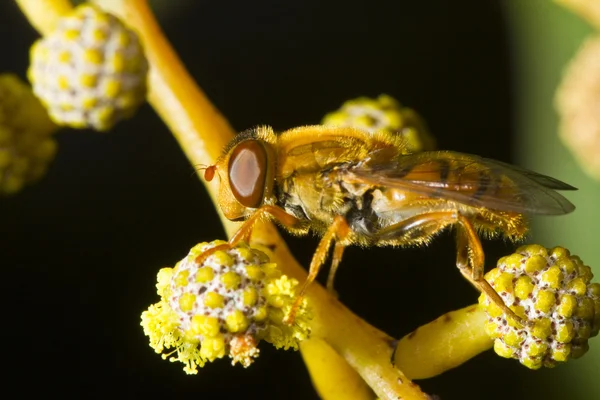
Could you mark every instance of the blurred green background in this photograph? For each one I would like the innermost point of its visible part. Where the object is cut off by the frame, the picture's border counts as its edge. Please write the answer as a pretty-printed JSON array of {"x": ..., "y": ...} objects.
[
  {"x": 544, "y": 37},
  {"x": 81, "y": 248}
]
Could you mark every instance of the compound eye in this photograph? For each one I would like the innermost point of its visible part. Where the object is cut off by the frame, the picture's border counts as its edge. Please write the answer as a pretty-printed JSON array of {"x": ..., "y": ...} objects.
[{"x": 247, "y": 173}]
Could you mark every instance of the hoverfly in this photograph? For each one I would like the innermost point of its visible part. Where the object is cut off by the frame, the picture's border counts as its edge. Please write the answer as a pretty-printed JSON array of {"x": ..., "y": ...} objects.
[{"x": 354, "y": 187}]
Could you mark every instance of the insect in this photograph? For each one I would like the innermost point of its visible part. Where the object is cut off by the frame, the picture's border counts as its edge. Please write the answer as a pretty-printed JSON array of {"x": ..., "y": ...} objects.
[{"x": 357, "y": 188}]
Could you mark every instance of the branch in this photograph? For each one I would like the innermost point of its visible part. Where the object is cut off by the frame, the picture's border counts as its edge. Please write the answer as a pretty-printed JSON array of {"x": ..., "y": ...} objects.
[
  {"x": 444, "y": 343},
  {"x": 202, "y": 132}
]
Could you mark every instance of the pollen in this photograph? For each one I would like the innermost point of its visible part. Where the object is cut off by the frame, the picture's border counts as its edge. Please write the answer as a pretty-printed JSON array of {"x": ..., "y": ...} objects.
[
  {"x": 213, "y": 348},
  {"x": 536, "y": 250},
  {"x": 537, "y": 348},
  {"x": 224, "y": 259},
  {"x": 245, "y": 254},
  {"x": 117, "y": 63},
  {"x": 542, "y": 328},
  {"x": 254, "y": 272},
  {"x": 250, "y": 297},
  {"x": 564, "y": 333},
  {"x": 93, "y": 56},
  {"x": 552, "y": 290},
  {"x": 223, "y": 307},
  {"x": 261, "y": 313},
  {"x": 503, "y": 349},
  {"x": 112, "y": 88},
  {"x": 186, "y": 302},
  {"x": 204, "y": 275},
  {"x": 562, "y": 353},
  {"x": 523, "y": 287},
  {"x": 553, "y": 277},
  {"x": 512, "y": 263},
  {"x": 89, "y": 103},
  {"x": 214, "y": 300},
  {"x": 577, "y": 287},
  {"x": 236, "y": 321},
  {"x": 492, "y": 330},
  {"x": 181, "y": 279},
  {"x": 504, "y": 283},
  {"x": 585, "y": 309},
  {"x": 513, "y": 338},
  {"x": 122, "y": 39},
  {"x": 90, "y": 55},
  {"x": 64, "y": 57},
  {"x": 545, "y": 301},
  {"x": 567, "y": 305},
  {"x": 231, "y": 280},
  {"x": 204, "y": 325},
  {"x": 567, "y": 266}
]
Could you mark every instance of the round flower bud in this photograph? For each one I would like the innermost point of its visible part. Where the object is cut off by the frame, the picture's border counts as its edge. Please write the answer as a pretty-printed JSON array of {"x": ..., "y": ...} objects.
[
  {"x": 223, "y": 306},
  {"x": 90, "y": 71},
  {"x": 551, "y": 289},
  {"x": 383, "y": 114},
  {"x": 26, "y": 142}
]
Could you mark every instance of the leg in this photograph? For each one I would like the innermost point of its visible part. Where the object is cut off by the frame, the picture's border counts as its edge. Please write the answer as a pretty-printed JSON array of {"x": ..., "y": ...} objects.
[
  {"x": 470, "y": 262},
  {"x": 245, "y": 231},
  {"x": 338, "y": 251},
  {"x": 338, "y": 230},
  {"x": 470, "y": 257}
]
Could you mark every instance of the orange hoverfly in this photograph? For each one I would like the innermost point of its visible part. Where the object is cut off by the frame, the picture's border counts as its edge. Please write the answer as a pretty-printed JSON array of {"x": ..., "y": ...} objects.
[{"x": 354, "y": 187}]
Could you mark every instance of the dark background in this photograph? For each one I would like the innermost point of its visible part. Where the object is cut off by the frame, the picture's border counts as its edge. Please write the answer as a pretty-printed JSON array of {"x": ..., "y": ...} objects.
[{"x": 80, "y": 249}]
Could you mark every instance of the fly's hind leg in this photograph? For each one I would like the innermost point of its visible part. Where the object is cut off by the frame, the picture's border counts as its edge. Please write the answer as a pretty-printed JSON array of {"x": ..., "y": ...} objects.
[
  {"x": 336, "y": 232},
  {"x": 470, "y": 262},
  {"x": 469, "y": 259}
]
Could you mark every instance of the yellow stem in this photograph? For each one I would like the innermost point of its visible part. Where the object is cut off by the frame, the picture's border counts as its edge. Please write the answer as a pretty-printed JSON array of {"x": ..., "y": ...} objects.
[
  {"x": 202, "y": 132},
  {"x": 44, "y": 14},
  {"x": 339, "y": 383},
  {"x": 443, "y": 344}
]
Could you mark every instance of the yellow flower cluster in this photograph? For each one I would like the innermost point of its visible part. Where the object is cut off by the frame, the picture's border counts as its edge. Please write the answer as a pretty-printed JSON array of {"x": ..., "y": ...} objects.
[
  {"x": 222, "y": 307},
  {"x": 26, "y": 142},
  {"x": 91, "y": 71},
  {"x": 551, "y": 289},
  {"x": 383, "y": 114}
]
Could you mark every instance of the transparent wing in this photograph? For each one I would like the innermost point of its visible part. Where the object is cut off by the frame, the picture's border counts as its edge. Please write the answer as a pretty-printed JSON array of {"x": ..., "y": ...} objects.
[{"x": 467, "y": 179}]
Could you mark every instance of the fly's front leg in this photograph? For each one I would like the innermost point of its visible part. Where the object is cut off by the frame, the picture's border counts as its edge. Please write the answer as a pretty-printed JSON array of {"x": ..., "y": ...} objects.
[
  {"x": 336, "y": 232},
  {"x": 470, "y": 262},
  {"x": 245, "y": 231}
]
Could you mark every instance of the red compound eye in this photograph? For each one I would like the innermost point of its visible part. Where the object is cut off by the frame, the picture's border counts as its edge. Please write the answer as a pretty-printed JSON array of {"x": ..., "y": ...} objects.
[{"x": 247, "y": 173}]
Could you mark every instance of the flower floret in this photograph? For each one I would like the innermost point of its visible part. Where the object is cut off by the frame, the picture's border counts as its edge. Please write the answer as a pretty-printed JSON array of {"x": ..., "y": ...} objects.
[
  {"x": 551, "y": 289},
  {"x": 90, "y": 71},
  {"x": 221, "y": 305}
]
